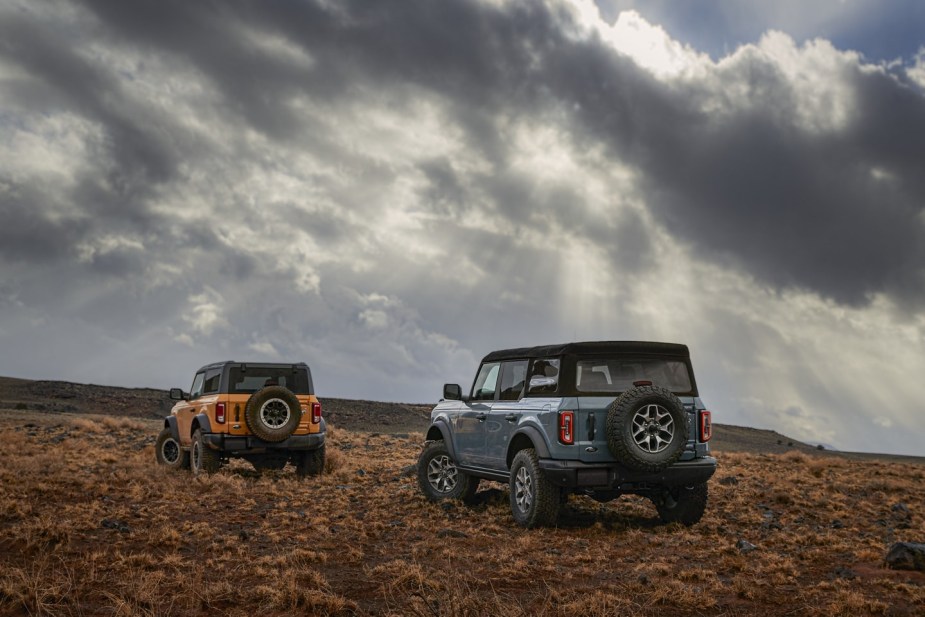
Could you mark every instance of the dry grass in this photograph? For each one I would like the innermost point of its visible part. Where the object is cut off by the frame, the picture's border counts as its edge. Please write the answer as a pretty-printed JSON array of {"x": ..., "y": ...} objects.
[{"x": 90, "y": 526}]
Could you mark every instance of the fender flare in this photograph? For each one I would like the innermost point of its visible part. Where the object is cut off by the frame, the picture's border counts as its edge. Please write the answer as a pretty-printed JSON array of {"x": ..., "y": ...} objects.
[
  {"x": 534, "y": 436},
  {"x": 170, "y": 422},
  {"x": 445, "y": 433},
  {"x": 201, "y": 421}
]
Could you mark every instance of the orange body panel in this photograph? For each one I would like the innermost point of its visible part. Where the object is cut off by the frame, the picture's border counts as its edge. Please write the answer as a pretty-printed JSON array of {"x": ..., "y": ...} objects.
[{"x": 234, "y": 423}]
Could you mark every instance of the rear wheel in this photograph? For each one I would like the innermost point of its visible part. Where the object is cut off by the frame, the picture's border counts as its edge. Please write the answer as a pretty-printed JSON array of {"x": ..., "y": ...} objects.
[
  {"x": 310, "y": 463},
  {"x": 534, "y": 499},
  {"x": 168, "y": 452},
  {"x": 202, "y": 458},
  {"x": 438, "y": 476},
  {"x": 685, "y": 505}
]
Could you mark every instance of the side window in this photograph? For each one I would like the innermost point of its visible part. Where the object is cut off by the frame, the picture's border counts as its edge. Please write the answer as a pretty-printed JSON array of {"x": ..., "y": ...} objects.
[
  {"x": 544, "y": 375},
  {"x": 513, "y": 376},
  {"x": 486, "y": 382},
  {"x": 213, "y": 378},
  {"x": 195, "y": 390}
]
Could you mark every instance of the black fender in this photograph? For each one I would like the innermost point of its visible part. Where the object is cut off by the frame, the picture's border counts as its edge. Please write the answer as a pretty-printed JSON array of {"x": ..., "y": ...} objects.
[
  {"x": 170, "y": 422},
  {"x": 527, "y": 437},
  {"x": 324, "y": 426},
  {"x": 444, "y": 433},
  {"x": 201, "y": 421}
]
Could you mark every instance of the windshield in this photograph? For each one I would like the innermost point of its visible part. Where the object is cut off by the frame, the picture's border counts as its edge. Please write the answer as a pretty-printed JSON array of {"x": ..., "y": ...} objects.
[{"x": 617, "y": 375}]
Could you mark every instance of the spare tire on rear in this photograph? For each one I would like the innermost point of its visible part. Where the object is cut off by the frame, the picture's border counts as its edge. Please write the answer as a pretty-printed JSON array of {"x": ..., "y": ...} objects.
[
  {"x": 647, "y": 428},
  {"x": 273, "y": 413}
]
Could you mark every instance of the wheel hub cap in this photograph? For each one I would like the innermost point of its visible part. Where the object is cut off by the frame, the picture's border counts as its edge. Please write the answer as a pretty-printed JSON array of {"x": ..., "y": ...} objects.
[
  {"x": 442, "y": 474},
  {"x": 653, "y": 428},
  {"x": 523, "y": 489},
  {"x": 274, "y": 413}
]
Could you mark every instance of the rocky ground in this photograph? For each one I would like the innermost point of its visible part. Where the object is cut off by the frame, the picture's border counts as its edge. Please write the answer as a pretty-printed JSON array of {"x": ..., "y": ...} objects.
[{"x": 90, "y": 526}]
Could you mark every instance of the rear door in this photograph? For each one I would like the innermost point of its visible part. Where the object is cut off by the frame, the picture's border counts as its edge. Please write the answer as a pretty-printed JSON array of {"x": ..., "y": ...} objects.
[{"x": 600, "y": 379}]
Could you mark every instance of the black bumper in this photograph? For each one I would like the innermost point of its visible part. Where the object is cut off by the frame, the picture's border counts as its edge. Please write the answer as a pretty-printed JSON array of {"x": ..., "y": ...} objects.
[
  {"x": 244, "y": 443},
  {"x": 574, "y": 474}
]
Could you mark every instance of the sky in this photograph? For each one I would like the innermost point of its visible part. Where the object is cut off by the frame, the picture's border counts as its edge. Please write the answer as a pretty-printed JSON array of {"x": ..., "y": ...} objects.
[{"x": 391, "y": 190}]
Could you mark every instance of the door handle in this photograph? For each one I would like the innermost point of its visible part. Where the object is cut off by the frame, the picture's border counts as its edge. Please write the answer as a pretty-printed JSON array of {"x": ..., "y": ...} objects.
[
  {"x": 591, "y": 426},
  {"x": 511, "y": 417},
  {"x": 481, "y": 417}
]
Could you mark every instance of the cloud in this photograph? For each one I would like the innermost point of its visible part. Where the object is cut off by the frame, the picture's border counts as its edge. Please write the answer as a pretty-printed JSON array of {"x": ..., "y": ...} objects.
[{"x": 389, "y": 192}]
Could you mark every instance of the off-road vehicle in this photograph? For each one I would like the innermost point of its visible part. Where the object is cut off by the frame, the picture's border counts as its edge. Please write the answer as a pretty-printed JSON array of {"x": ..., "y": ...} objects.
[
  {"x": 602, "y": 419},
  {"x": 265, "y": 413}
]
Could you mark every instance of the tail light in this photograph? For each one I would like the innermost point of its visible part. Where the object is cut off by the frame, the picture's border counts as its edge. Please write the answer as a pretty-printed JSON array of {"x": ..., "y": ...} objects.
[
  {"x": 706, "y": 425},
  {"x": 220, "y": 413},
  {"x": 316, "y": 413},
  {"x": 567, "y": 427}
]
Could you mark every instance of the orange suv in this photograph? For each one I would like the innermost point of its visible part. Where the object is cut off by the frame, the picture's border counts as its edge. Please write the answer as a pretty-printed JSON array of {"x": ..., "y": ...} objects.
[{"x": 265, "y": 413}]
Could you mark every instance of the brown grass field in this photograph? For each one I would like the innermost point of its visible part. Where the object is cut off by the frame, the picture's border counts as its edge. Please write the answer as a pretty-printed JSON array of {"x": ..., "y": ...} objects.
[{"x": 90, "y": 526}]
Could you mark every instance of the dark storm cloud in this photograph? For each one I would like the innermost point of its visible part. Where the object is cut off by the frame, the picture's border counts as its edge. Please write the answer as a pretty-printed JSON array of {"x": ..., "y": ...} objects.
[{"x": 755, "y": 189}]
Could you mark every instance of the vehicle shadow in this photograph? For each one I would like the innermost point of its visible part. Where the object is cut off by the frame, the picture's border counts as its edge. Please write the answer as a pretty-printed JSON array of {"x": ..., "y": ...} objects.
[{"x": 578, "y": 513}]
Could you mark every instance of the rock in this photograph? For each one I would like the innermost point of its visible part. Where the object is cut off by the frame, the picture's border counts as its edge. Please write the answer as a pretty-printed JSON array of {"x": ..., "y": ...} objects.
[
  {"x": 451, "y": 533},
  {"x": 408, "y": 471},
  {"x": 838, "y": 524},
  {"x": 906, "y": 556},
  {"x": 901, "y": 509},
  {"x": 114, "y": 524},
  {"x": 361, "y": 472},
  {"x": 845, "y": 573},
  {"x": 745, "y": 546},
  {"x": 729, "y": 481}
]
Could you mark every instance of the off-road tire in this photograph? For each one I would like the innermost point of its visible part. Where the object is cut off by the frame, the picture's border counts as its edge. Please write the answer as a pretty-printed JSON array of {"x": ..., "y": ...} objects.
[
  {"x": 310, "y": 463},
  {"x": 438, "y": 476},
  {"x": 168, "y": 452},
  {"x": 639, "y": 420},
  {"x": 685, "y": 505},
  {"x": 535, "y": 500},
  {"x": 202, "y": 458},
  {"x": 272, "y": 413}
]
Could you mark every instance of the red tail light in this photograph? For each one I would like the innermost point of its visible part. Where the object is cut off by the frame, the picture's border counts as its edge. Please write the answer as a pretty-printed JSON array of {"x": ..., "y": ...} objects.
[
  {"x": 220, "y": 413},
  {"x": 567, "y": 427},
  {"x": 706, "y": 425},
  {"x": 316, "y": 413}
]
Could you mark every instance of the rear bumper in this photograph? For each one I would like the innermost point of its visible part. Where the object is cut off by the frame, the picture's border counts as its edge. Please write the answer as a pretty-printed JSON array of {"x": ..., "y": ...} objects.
[
  {"x": 574, "y": 474},
  {"x": 244, "y": 443}
]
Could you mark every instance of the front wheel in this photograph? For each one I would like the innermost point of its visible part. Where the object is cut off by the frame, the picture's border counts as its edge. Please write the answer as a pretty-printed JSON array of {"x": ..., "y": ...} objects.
[
  {"x": 685, "y": 505},
  {"x": 534, "y": 499},
  {"x": 202, "y": 458},
  {"x": 438, "y": 476},
  {"x": 168, "y": 452}
]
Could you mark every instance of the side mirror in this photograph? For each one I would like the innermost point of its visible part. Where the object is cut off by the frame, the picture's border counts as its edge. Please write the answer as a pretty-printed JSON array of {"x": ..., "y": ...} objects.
[
  {"x": 452, "y": 392},
  {"x": 176, "y": 394},
  {"x": 538, "y": 383}
]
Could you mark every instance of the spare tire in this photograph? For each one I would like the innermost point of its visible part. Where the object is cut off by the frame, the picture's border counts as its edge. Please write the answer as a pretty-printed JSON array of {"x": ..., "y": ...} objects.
[
  {"x": 647, "y": 428},
  {"x": 273, "y": 413}
]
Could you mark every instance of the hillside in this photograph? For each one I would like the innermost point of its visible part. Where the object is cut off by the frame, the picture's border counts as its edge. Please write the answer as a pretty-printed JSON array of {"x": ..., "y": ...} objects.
[{"x": 354, "y": 415}]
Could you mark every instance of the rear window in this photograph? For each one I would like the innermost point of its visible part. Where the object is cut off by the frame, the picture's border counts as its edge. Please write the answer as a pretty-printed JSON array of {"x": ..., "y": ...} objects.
[
  {"x": 617, "y": 375},
  {"x": 254, "y": 378}
]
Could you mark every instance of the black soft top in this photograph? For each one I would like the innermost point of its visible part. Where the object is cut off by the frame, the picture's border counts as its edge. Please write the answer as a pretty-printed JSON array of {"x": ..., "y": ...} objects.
[{"x": 673, "y": 350}]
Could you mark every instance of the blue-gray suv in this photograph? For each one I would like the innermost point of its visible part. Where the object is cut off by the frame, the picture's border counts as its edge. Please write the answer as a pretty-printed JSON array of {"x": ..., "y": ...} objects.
[{"x": 603, "y": 419}]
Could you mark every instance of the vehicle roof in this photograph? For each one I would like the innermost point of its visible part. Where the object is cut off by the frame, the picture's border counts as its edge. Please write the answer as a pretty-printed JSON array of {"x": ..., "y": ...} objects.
[
  {"x": 591, "y": 347},
  {"x": 255, "y": 364}
]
